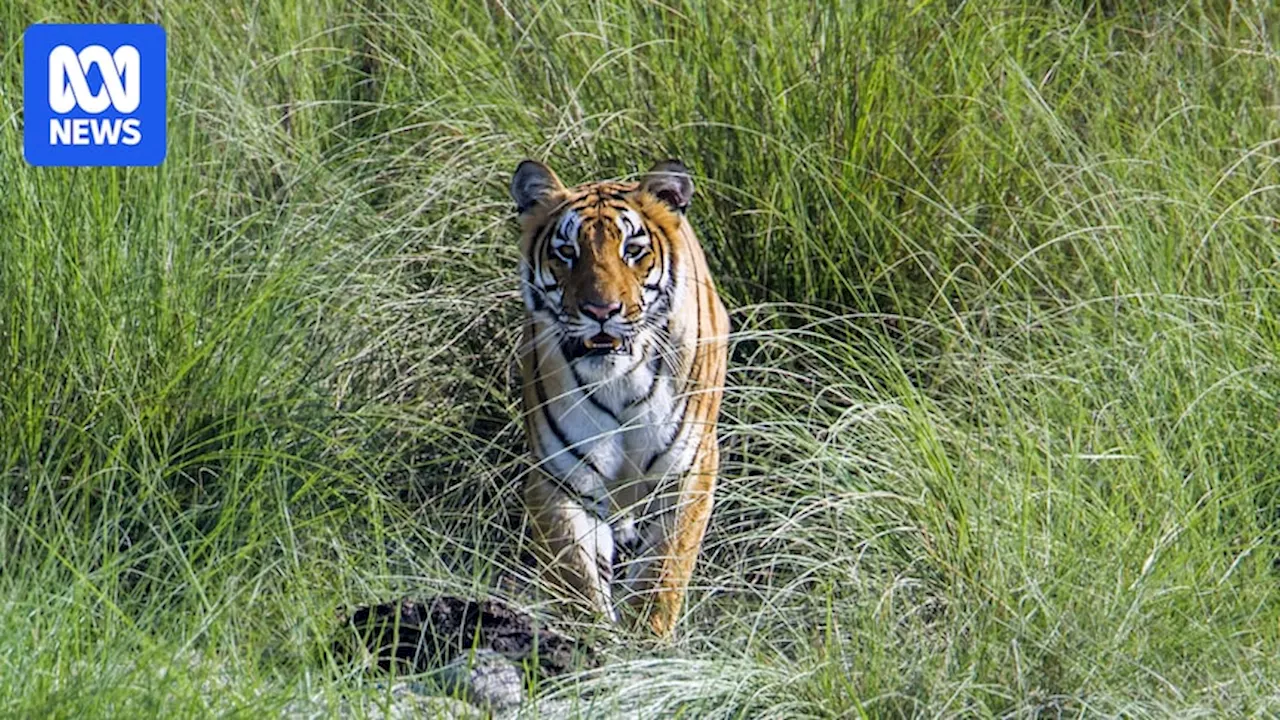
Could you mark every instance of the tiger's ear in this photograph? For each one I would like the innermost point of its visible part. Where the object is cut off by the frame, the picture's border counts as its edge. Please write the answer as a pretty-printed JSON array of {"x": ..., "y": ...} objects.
[
  {"x": 669, "y": 182},
  {"x": 533, "y": 184}
]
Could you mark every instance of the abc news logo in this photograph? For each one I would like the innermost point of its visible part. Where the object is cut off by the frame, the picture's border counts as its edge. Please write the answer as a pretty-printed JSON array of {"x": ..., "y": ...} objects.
[
  {"x": 69, "y": 89},
  {"x": 94, "y": 95}
]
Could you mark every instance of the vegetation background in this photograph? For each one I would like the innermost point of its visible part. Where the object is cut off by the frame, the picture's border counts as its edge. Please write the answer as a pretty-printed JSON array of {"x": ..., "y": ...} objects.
[{"x": 1002, "y": 420}]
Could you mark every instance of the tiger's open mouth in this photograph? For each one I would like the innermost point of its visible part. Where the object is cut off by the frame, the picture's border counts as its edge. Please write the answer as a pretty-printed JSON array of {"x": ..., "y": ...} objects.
[
  {"x": 599, "y": 345},
  {"x": 606, "y": 344}
]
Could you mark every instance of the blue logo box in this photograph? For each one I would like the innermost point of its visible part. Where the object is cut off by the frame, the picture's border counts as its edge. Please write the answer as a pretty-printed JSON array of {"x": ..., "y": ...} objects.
[{"x": 94, "y": 95}]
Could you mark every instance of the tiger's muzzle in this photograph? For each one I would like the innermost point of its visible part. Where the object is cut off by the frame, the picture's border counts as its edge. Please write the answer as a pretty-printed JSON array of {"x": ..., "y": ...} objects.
[{"x": 600, "y": 332}]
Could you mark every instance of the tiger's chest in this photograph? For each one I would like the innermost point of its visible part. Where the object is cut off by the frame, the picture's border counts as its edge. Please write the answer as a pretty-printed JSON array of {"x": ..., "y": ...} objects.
[{"x": 616, "y": 416}]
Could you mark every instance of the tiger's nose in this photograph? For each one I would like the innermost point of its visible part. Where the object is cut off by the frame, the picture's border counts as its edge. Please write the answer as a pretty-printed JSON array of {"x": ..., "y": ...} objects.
[{"x": 601, "y": 312}]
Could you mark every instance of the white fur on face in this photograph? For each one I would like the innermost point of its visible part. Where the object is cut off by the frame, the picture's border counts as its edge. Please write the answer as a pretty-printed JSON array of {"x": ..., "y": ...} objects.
[{"x": 566, "y": 234}]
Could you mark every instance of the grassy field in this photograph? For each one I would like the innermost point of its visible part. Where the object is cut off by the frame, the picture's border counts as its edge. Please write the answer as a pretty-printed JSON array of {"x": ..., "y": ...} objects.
[{"x": 1003, "y": 410}]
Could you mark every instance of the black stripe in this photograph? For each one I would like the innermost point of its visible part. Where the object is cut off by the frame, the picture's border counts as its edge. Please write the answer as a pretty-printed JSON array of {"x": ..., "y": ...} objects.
[
  {"x": 539, "y": 294},
  {"x": 535, "y": 262},
  {"x": 552, "y": 424},
  {"x": 542, "y": 237},
  {"x": 680, "y": 425},
  {"x": 661, "y": 453},
  {"x": 662, "y": 304},
  {"x": 604, "y": 566},
  {"x": 658, "y": 246},
  {"x": 568, "y": 490},
  {"x": 667, "y": 273},
  {"x": 590, "y": 504},
  {"x": 678, "y": 409},
  {"x": 591, "y": 397},
  {"x": 535, "y": 292},
  {"x": 655, "y": 313},
  {"x": 675, "y": 417},
  {"x": 697, "y": 335},
  {"x": 653, "y": 383},
  {"x": 560, "y": 436},
  {"x": 688, "y": 381},
  {"x": 673, "y": 278}
]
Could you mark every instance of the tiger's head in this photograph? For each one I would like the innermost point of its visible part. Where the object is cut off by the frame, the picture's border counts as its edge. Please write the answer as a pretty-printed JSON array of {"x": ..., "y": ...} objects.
[{"x": 598, "y": 259}]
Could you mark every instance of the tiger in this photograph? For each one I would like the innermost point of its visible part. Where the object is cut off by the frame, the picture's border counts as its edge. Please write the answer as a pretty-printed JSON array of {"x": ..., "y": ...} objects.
[{"x": 622, "y": 363}]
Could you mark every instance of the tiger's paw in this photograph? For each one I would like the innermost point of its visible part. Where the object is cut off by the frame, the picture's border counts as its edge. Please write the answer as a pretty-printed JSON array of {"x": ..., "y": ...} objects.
[{"x": 626, "y": 540}]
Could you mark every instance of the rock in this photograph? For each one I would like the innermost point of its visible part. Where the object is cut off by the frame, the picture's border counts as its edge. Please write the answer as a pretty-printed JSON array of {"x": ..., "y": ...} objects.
[
  {"x": 410, "y": 701},
  {"x": 486, "y": 678},
  {"x": 407, "y": 701}
]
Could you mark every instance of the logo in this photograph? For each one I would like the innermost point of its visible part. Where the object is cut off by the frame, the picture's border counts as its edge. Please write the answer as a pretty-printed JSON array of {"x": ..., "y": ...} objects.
[{"x": 94, "y": 95}]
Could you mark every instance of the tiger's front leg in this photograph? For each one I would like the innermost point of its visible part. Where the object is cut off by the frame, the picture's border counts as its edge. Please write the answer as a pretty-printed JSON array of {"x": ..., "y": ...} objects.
[
  {"x": 672, "y": 538},
  {"x": 573, "y": 543}
]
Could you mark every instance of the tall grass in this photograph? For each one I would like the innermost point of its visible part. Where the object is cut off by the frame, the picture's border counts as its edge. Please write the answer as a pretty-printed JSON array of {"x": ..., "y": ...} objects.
[{"x": 1001, "y": 421}]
